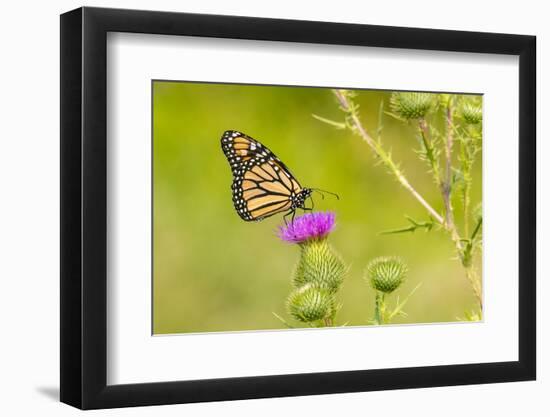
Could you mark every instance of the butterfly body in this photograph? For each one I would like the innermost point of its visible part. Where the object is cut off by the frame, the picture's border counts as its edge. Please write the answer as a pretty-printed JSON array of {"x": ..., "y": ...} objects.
[
  {"x": 299, "y": 200},
  {"x": 262, "y": 183}
]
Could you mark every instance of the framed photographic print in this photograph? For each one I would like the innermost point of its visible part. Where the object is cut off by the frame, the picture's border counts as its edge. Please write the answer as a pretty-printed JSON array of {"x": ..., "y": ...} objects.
[{"x": 257, "y": 208}]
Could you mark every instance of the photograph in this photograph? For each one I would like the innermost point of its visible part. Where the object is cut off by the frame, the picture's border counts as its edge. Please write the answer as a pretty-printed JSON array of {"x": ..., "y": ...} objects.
[
  {"x": 268, "y": 209},
  {"x": 301, "y": 207}
]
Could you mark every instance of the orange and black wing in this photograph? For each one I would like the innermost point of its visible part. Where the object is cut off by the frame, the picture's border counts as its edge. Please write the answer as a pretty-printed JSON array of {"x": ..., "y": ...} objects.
[{"x": 262, "y": 184}]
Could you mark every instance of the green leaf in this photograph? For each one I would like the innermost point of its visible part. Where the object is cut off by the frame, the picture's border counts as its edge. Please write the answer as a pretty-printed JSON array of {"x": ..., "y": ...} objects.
[
  {"x": 337, "y": 125},
  {"x": 415, "y": 224}
]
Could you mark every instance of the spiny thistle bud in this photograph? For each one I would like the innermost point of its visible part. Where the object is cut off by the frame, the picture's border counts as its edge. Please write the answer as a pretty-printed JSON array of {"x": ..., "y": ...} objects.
[
  {"x": 320, "y": 266},
  {"x": 471, "y": 112},
  {"x": 386, "y": 274},
  {"x": 411, "y": 105},
  {"x": 309, "y": 303}
]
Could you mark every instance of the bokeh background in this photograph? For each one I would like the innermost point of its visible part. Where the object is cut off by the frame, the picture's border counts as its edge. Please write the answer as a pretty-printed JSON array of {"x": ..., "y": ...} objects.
[{"x": 214, "y": 272}]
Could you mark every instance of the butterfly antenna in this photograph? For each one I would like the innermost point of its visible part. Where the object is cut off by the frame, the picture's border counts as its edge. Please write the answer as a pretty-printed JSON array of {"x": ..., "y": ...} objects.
[{"x": 325, "y": 191}]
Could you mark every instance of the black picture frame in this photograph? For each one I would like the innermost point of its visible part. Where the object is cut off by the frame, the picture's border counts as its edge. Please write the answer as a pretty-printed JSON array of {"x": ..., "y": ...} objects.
[{"x": 84, "y": 207}]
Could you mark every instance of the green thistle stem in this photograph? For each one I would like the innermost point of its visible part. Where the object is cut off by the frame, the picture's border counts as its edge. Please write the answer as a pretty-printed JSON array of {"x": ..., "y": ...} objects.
[
  {"x": 378, "y": 315},
  {"x": 466, "y": 166},
  {"x": 446, "y": 186},
  {"x": 430, "y": 153}
]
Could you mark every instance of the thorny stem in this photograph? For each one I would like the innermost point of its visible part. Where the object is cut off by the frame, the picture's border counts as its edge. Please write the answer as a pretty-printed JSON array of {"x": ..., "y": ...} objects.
[
  {"x": 358, "y": 127},
  {"x": 443, "y": 185},
  {"x": 428, "y": 145},
  {"x": 466, "y": 203},
  {"x": 446, "y": 186},
  {"x": 466, "y": 156},
  {"x": 449, "y": 218}
]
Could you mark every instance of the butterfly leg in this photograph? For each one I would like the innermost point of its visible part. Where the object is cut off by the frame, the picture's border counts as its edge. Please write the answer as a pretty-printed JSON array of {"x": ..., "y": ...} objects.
[
  {"x": 293, "y": 215},
  {"x": 304, "y": 208},
  {"x": 286, "y": 215},
  {"x": 312, "y": 204}
]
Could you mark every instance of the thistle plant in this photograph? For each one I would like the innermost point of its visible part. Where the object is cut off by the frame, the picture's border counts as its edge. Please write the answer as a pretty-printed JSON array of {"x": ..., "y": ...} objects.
[
  {"x": 449, "y": 153},
  {"x": 385, "y": 275},
  {"x": 319, "y": 272}
]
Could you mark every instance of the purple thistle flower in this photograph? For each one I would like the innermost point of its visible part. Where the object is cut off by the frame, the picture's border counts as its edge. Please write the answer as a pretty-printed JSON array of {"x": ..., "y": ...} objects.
[{"x": 310, "y": 226}]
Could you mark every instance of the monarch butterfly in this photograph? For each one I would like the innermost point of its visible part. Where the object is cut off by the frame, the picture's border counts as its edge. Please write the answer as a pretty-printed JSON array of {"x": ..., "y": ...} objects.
[{"x": 262, "y": 183}]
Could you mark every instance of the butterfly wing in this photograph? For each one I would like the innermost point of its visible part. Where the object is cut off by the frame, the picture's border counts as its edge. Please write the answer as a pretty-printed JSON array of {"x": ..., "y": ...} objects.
[{"x": 262, "y": 184}]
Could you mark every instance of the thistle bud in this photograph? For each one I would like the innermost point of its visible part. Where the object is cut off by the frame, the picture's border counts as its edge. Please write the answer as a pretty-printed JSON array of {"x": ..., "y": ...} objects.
[
  {"x": 309, "y": 303},
  {"x": 471, "y": 112},
  {"x": 320, "y": 266},
  {"x": 411, "y": 105},
  {"x": 386, "y": 274}
]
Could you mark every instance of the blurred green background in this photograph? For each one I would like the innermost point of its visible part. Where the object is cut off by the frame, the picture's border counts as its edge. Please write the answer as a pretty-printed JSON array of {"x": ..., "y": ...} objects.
[{"x": 215, "y": 272}]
